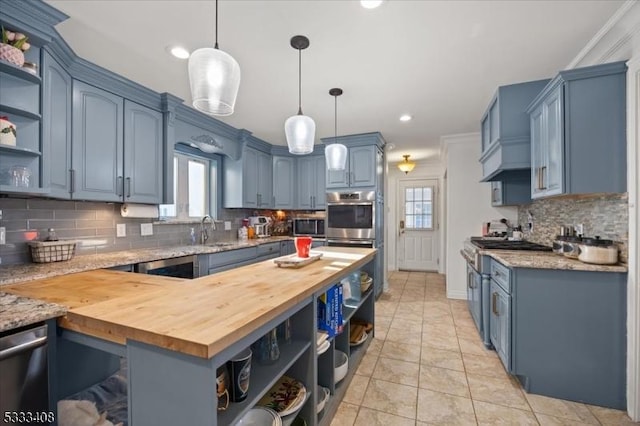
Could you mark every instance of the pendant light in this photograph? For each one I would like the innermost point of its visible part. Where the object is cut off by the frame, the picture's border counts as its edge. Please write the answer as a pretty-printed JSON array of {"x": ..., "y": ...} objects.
[
  {"x": 214, "y": 77},
  {"x": 336, "y": 153},
  {"x": 406, "y": 166},
  {"x": 300, "y": 130}
]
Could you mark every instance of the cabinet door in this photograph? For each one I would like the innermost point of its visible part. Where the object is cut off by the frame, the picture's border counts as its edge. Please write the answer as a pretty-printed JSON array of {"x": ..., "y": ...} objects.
[
  {"x": 494, "y": 121},
  {"x": 500, "y": 323},
  {"x": 538, "y": 150},
  {"x": 362, "y": 166},
  {"x": 552, "y": 171},
  {"x": 250, "y": 178},
  {"x": 496, "y": 193},
  {"x": 319, "y": 183},
  {"x": 142, "y": 154},
  {"x": 265, "y": 180},
  {"x": 306, "y": 181},
  {"x": 56, "y": 131},
  {"x": 97, "y": 144},
  {"x": 283, "y": 183},
  {"x": 485, "y": 133},
  {"x": 338, "y": 178}
]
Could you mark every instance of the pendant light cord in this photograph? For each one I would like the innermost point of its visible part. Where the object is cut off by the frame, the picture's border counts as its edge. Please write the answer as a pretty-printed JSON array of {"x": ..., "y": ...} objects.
[
  {"x": 336, "y": 120},
  {"x": 216, "y": 45},
  {"x": 299, "y": 81}
]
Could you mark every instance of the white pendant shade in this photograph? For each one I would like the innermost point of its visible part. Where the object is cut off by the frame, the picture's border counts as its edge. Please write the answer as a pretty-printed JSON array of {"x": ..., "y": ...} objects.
[
  {"x": 336, "y": 156},
  {"x": 215, "y": 79},
  {"x": 300, "y": 132}
]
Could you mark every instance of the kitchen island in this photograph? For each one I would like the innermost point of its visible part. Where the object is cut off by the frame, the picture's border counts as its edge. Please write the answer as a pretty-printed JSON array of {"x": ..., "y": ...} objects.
[{"x": 176, "y": 333}]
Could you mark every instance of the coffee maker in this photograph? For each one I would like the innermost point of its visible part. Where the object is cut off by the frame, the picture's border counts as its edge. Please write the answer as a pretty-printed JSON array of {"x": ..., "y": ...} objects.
[{"x": 260, "y": 225}]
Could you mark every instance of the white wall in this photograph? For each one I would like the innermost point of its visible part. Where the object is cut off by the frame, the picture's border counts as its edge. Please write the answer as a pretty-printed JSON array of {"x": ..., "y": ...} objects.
[
  {"x": 468, "y": 205},
  {"x": 423, "y": 170},
  {"x": 619, "y": 39}
]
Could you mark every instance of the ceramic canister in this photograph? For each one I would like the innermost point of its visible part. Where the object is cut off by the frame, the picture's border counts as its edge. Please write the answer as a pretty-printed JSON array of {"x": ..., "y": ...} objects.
[{"x": 239, "y": 371}]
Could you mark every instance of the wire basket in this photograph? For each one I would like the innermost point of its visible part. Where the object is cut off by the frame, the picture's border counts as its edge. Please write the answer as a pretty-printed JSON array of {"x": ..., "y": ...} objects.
[{"x": 52, "y": 251}]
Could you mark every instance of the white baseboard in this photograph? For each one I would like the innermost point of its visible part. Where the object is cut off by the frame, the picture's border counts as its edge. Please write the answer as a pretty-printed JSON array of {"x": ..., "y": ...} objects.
[{"x": 457, "y": 295}]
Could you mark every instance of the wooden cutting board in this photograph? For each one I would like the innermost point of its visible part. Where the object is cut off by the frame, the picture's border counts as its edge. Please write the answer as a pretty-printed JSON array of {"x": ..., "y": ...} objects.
[{"x": 91, "y": 287}]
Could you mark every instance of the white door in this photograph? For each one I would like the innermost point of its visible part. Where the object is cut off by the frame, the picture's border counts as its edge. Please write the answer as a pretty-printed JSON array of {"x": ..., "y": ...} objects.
[{"x": 418, "y": 228}]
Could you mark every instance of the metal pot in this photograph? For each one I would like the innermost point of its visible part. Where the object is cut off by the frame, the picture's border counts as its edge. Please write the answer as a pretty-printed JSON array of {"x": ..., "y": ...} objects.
[
  {"x": 598, "y": 251},
  {"x": 558, "y": 244},
  {"x": 571, "y": 247}
]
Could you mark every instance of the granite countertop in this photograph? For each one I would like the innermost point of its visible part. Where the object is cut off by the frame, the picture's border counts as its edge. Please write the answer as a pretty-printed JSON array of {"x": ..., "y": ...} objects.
[
  {"x": 547, "y": 260},
  {"x": 18, "y": 311},
  {"x": 32, "y": 271}
]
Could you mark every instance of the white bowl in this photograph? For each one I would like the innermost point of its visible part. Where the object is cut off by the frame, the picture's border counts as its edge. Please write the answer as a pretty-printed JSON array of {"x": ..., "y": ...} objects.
[
  {"x": 260, "y": 416},
  {"x": 323, "y": 397},
  {"x": 341, "y": 366}
]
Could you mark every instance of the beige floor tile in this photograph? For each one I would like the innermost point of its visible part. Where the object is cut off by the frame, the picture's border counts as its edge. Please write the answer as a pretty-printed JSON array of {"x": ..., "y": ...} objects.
[
  {"x": 402, "y": 314},
  {"x": 383, "y": 322},
  {"x": 409, "y": 324},
  {"x": 437, "y": 304},
  {"x": 401, "y": 351},
  {"x": 441, "y": 358},
  {"x": 546, "y": 420},
  {"x": 466, "y": 321},
  {"x": 465, "y": 332},
  {"x": 484, "y": 365},
  {"x": 501, "y": 391},
  {"x": 391, "y": 398},
  {"x": 438, "y": 328},
  {"x": 402, "y": 335},
  {"x": 611, "y": 417},
  {"x": 369, "y": 417},
  {"x": 475, "y": 347},
  {"x": 444, "y": 380},
  {"x": 445, "y": 321},
  {"x": 381, "y": 334},
  {"x": 491, "y": 414},
  {"x": 396, "y": 371},
  {"x": 375, "y": 347},
  {"x": 413, "y": 307},
  {"x": 560, "y": 408},
  {"x": 440, "y": 341},
  {"x": 410, "y": 297},
  {"x": 440, "y": 408},
  {"x": 386, "y": 308},
  {"x": 346, "y": 415},
  {"x": 356, "y": 390},
  {"x": 368, "y": 364}
]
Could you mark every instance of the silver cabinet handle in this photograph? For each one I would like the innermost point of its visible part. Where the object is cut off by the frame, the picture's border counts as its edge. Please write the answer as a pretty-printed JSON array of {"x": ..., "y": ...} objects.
[
  {"x": 347, "y": 177},
  {"x": 494, "y": 302},
  {"x": 128, "y": 187},
  {"x": 72, "y": 181},
  {"x": 119, "y": 185},
  {"x": 543, "y": 176}
]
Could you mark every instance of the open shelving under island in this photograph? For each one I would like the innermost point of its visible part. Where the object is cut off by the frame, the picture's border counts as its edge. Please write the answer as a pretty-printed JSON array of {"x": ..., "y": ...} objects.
[{"x": 175, "y": 335}]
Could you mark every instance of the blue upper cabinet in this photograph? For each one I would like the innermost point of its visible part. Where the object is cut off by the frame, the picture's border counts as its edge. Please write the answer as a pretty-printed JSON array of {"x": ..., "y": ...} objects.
[
  {"x": 505, "y": 131},
  {"x": 362, "y": 162},
  {"x": 56, "y": 127},
  {"x": 248, "y": 181},
  {"x": 143, "y": 154},
  {"x": 578, "y": 133},
  {"x": 284, "y": 172},
  {"x": 311, "y": 183},
  {"x": 97, "y": 141}
]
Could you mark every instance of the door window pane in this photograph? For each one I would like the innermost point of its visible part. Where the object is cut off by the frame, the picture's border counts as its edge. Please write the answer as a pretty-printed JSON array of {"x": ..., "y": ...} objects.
[
  {"x": 409, "y": 194},
  {"x": 419, "y": 208}
]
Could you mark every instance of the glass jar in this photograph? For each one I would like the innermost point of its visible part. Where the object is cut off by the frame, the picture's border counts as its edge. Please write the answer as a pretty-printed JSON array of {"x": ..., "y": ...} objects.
[
  {"x": 266, "y": 350},
  {"x": 20, "y": 176}
]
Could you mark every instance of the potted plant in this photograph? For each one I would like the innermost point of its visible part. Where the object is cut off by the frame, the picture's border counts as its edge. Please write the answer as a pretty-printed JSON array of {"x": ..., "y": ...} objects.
[{"x": 13, "y": 46}]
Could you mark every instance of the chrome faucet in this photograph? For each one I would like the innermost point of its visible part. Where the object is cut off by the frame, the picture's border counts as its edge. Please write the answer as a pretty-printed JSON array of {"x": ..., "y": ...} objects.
[{"x": 204, "y": 235}]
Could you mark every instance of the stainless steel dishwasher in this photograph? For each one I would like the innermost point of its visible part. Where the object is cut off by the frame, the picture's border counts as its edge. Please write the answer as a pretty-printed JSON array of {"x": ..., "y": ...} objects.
[{"x": 23, "y": 371}]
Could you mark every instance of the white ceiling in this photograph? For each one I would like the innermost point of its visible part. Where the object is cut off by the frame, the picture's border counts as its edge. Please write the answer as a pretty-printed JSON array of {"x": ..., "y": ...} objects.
[{"x": 439, "y": 61}]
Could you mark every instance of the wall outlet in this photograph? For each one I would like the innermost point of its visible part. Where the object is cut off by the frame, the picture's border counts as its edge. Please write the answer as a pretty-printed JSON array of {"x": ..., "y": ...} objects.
[
  {"x": 146, "y": 229},
  {"x": 227, "y": 225},
  {"x": 3, "y": 235},
  {"x": 121, "y": 230}
]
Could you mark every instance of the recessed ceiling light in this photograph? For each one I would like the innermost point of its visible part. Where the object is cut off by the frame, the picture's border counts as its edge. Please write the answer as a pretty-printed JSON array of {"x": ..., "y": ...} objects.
[
  {"x": 405, "y": 117},
  {"x": 371, "y": 4},
  {"x": 178, "y": 51}
]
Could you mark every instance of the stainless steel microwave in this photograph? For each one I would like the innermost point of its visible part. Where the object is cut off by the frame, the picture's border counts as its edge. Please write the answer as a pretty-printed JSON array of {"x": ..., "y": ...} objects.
[{"x": 308, "y": 227}]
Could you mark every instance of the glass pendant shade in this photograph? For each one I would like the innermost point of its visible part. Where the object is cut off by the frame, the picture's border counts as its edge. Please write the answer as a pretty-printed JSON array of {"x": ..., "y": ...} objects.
[
  {"x": 215, "y": 79},
  {"x": 300, "y": 132},
  {"x": 406, "y": 166},
  {"x": 336, "y": 156}
]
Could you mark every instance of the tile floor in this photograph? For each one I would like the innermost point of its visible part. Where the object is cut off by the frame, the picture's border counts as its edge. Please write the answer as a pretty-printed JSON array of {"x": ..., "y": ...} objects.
[{"x": 427, "y": 366}]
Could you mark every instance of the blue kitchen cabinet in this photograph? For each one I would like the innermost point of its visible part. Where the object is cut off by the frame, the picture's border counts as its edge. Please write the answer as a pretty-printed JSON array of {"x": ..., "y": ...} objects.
[
  {"x": 284, "y": 171},
  {"x": 143, "y": 154},
  {"x": 500, "y": 323},
  {"x": 311, "y": 183},
  {"x": 56, "y": 127},
  {"x": 514, "y": 191},
  {"x": 474, "y": 296},
  {"x": 360, "y": 171},
  {"x": 248, "y": 181},
  {"x": 97, "y": 144},
  {"x": 578, "y": 132},
  {"x": 505, "y": 131}
]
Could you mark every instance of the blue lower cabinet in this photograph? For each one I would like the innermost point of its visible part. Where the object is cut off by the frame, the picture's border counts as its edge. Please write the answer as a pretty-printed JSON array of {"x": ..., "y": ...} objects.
[
  {"x": 474, "y": 296},
  {"x": 500, "y": 324}
]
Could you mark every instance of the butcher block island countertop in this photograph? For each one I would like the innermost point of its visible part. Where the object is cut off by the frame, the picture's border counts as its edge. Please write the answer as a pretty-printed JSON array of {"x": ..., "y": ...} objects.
[{"x": 198, "y": 317}]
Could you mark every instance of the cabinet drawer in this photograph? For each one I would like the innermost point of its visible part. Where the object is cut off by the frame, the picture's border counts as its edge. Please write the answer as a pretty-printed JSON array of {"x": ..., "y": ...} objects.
[
  {"x": 501, "y": 275},
  {"x": 267, "y": 249},
  {"x": 231, "y": 256}
]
